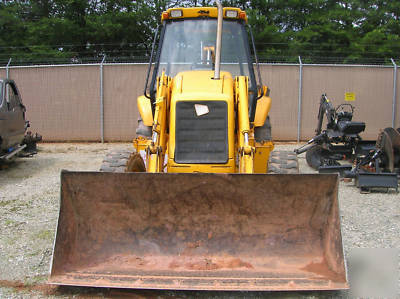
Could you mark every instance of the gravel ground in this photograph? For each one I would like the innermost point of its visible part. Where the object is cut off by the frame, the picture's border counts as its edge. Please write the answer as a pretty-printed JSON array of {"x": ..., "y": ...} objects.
[{"x": 29, "y": 201}]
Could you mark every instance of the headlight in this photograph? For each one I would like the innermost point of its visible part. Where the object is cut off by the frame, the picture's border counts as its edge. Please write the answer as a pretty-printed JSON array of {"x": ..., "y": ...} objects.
[
  {"x": 231, "y": 14},
  {"x": 176, "y": 13}
]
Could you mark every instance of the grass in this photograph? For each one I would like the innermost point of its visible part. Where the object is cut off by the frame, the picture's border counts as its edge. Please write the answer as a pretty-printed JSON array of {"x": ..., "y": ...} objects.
[
  {"x": 44, "y": 235},
  {"x": 5, "y": 203},
  {"x": 34, "y": 280},
  {"x": 10, "y": 222}
]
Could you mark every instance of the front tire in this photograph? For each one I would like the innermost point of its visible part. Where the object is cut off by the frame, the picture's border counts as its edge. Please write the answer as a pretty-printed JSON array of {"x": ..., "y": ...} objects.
[
  {"x": 283, "y": 162},
  {"x": 116, "y": 160}
]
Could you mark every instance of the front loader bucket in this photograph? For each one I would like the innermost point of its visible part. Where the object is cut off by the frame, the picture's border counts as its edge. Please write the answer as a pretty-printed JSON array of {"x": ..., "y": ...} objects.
[{"x": 199, "y": 232}]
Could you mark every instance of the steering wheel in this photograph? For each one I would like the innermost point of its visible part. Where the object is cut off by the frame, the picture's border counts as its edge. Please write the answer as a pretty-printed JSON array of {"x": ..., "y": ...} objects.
[
  {"x": 344, "y": 108},
  {"x": 200, "y": 66}
]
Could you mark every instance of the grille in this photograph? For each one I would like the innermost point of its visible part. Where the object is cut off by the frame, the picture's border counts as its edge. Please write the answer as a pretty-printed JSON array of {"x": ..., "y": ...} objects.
[{"x": 204, "y": 138}]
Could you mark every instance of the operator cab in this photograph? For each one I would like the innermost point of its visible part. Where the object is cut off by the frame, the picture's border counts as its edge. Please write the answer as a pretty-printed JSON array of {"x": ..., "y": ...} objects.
[{"x": 188, "y": 42}]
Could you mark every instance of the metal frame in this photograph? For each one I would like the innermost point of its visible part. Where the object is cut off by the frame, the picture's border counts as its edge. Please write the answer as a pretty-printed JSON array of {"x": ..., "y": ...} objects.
[
  {"x": 8, "y": 69},
  {"x": 146, "y": 63},
  {"x": 102, "y": 99},
  {"x": 219, "y": 41},
  {"x": 394, "y": 92},
  {"x": 300, "y": 100}
]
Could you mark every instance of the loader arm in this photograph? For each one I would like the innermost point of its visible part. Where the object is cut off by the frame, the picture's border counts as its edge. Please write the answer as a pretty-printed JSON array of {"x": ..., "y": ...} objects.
[
  {"x": 156, "y": 149},
  {"x": 325, "y": 108},
  {"x": 246, "y": 151}
]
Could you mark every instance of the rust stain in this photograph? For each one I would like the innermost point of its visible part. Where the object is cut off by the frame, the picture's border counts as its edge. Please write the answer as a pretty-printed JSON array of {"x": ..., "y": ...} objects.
[
  {"x": 237, "y": 263},
  {"x": 129, "y": 260},
  {"x": 194, "y": 244},
  {"x": 208, "y": 264},
  {"x": 173, "y": 265},
  {"x": 323, "y": 270},
  {"x": 205, "y": 264}
]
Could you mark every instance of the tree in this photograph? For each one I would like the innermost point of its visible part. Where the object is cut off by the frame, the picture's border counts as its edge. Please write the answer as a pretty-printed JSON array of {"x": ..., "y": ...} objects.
[{"x": 318, "y": 30}]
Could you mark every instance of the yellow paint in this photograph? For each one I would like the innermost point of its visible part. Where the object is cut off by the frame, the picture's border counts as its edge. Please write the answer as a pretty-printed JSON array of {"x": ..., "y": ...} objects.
[
  {"x": 252, "y": 157},
  {"x": 158, "y": 147},
  {"x": 199, "y": 86},
  {"x": 229, "y": 167},
  {"x": 349, "y": 96},
  {"x": 261, "y": 156},
  {"x": 144, "y": 107},
  {"x": 200, "y": 12},
  {"x": 245, "y": 149},
  {"x": 140, "y": 143},
  {"x": 262, "y": 110}
]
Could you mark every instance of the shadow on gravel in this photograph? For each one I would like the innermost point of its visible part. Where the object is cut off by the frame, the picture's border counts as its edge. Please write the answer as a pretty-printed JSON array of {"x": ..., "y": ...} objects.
[
  {"x": 88, "y": 292},
  {"x": 24, "y": 168}
]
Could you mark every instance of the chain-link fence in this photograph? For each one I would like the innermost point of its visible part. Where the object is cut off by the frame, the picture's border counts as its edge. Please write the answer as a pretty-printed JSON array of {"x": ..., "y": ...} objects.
[{"x": 95, "y": 102}]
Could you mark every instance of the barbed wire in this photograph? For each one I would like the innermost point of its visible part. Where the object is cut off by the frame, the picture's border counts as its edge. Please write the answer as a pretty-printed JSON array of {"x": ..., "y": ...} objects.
[
  {"x": 95, "y": 59},
  {"x": 127, "y": 43}
]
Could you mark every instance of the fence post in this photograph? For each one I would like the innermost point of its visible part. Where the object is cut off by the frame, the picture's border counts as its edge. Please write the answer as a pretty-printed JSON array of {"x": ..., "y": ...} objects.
[
  {"x": 102, "y": 100},
  {"x": 300, "y": 98},
  {"x": 394, "y": 91},
  {"x": 7, "y": 69}
]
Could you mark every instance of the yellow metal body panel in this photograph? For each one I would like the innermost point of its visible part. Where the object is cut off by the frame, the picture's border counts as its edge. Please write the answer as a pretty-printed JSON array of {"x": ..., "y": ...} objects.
[
  {"x": 145, "y": 111},
  {"x": 199, "y": 86},
  {"x": 262, "y": 110},
  {"x": 141, "y": 143},
  {"x": 158, "y": 147},
  {"x": 244, "y": 156},
  {"x": 245, "y": 148},
  {"x": 261, "y": 156},
  {"x": 229, "y": 167},
  {"x": 201, "y": 12}
]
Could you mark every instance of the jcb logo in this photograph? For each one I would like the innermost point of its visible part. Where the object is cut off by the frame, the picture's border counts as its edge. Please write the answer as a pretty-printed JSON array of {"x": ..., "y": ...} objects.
[{"x": 203, "y": 12}]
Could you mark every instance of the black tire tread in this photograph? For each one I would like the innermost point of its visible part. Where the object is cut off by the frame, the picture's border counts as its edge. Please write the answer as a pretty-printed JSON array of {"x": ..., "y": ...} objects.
[
  {"x": 116, "y": 160},
  {"x": 283, "y": 162},
  {"x": 314, "y": 156}
]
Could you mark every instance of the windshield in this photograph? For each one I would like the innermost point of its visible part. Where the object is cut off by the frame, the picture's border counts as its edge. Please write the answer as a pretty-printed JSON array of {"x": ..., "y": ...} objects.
[{"x": 190, "y": 45}]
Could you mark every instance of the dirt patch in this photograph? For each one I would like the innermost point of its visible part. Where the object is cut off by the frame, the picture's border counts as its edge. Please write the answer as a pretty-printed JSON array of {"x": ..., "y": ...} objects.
[{"x": 19, "y": 286}]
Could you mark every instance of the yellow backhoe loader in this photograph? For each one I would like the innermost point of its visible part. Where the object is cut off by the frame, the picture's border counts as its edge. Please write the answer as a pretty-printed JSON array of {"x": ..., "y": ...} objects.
[{"x": 195, "y": 208}]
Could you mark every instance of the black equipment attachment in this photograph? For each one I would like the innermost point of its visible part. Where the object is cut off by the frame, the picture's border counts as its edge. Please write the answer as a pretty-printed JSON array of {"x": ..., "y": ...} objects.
[
  {"x": 376, "y": 170},
  {"x": 372, "y": 164},
  {"x": 340, "y": 140}
]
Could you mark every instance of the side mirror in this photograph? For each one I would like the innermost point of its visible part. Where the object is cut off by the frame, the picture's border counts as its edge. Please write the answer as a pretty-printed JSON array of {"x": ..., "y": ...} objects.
[{"x": 144, "y": 106}]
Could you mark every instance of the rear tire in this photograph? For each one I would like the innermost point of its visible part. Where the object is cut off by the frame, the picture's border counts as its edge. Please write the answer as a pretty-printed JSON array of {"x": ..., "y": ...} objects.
[
  {"x": 283, "y": 162},
  {"x": 263, "y": 133},
  {"x": 116, "y": 160},
  {"x": 316, "y": 156},
  {"x": 142, "y": 129}
]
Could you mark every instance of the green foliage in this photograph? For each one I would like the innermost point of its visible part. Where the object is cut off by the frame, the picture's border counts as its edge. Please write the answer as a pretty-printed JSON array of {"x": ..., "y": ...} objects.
[{"x": 319, "y": 31}]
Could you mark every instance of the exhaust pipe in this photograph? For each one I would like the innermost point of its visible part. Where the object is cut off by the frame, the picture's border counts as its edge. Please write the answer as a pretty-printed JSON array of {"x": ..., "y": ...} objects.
[{"x": 218, "y": 44}]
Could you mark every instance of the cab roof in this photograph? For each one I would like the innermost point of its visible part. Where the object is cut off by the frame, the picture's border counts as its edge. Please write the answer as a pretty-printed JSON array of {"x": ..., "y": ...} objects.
[{"x": 231, "y": 13}]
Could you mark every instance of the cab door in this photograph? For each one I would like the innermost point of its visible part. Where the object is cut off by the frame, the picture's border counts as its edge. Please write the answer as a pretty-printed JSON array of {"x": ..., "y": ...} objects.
[{"x": 12, "y": 116}]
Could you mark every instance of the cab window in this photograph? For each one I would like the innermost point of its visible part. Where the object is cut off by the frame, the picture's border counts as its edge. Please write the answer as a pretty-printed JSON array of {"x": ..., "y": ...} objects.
[{"x": 11, "y": 96}]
